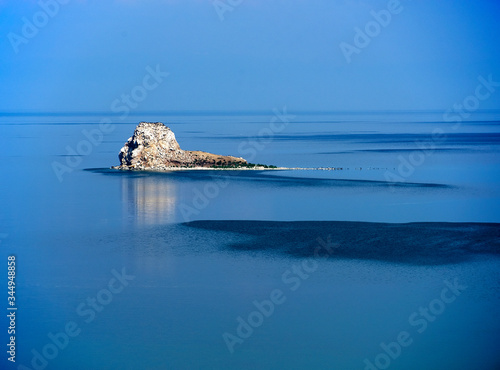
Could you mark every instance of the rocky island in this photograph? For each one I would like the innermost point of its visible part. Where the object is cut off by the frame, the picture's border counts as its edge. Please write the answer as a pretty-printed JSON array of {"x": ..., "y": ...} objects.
[{"x": 153, "y": 147}]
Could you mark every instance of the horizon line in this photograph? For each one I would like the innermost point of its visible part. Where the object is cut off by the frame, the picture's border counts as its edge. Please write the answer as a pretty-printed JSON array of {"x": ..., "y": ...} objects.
[{"x": 233, "y": 112}]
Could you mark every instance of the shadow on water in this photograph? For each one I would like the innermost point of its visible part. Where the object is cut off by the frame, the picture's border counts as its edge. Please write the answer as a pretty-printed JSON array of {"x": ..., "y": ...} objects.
[
  {"x": 272, "y": 177},
  {"x": 152, "y": 199},
  {"x": 432, "y": 243},
  {"x": 451, "y": 138}
]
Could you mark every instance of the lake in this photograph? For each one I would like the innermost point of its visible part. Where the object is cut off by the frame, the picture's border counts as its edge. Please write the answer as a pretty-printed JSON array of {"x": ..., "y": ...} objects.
[{"x": 383, "y": 253}]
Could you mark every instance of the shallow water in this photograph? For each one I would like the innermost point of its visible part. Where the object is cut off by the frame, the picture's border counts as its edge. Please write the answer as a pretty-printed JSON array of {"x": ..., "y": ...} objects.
[{"x": 193, "y": 280}]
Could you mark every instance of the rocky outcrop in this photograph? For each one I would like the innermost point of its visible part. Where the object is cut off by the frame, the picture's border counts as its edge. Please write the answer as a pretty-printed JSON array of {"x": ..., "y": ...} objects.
[{"x": 153, "y": 147}]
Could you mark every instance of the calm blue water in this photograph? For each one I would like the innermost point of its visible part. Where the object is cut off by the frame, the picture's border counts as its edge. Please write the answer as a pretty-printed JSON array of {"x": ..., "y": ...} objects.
[{"x": 71, "y": 222}]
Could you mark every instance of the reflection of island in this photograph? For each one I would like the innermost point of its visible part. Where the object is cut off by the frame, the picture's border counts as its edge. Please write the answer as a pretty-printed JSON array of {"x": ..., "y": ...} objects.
[
  {"x": 148, "y": 200},
  {"x": 153, "y": 147}
]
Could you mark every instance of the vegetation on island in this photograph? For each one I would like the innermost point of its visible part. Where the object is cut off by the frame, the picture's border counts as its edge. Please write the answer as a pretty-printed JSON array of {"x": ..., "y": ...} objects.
[
  {"x": 223, "y": 163},
  {"x": 220, "y": 164}
]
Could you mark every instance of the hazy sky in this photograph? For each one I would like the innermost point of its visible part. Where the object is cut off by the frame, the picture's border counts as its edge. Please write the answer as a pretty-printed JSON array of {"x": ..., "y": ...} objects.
[{"x": 246, "y": 54}]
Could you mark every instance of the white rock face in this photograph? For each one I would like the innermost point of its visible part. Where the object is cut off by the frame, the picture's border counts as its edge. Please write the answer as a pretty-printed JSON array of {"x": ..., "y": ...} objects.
[{"x": 153, "y": 147}]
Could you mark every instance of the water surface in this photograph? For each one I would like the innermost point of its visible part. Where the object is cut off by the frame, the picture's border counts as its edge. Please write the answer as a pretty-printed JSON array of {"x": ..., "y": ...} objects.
[{"x": 194, "y": 274}]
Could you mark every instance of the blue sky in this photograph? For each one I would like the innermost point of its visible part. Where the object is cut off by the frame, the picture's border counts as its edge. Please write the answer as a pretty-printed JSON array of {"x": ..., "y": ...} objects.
[{"x": 258, "y": 55}]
